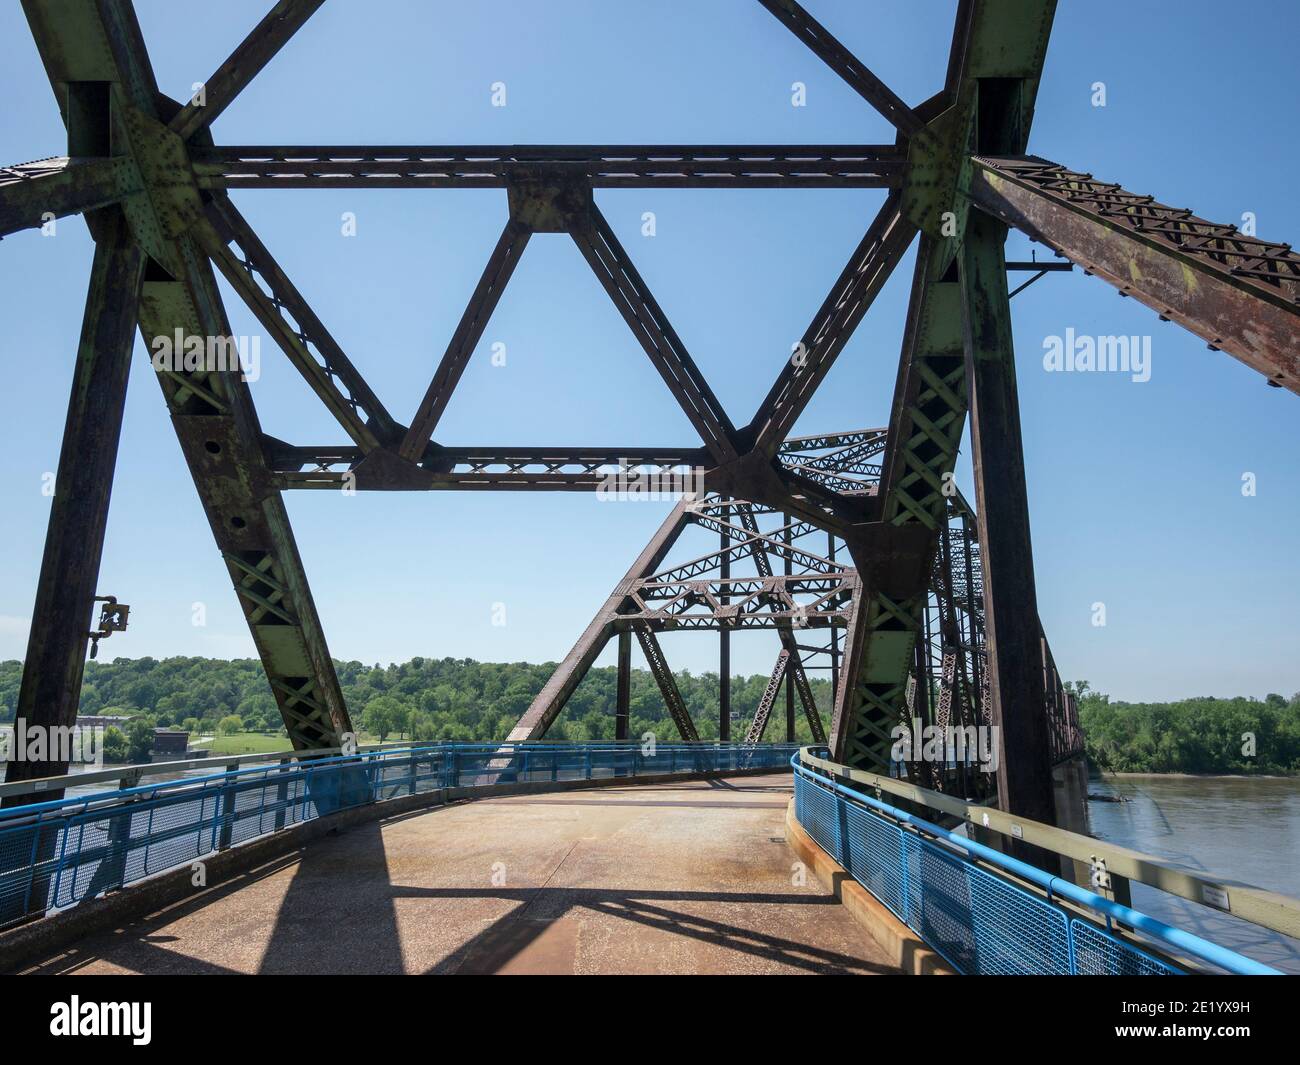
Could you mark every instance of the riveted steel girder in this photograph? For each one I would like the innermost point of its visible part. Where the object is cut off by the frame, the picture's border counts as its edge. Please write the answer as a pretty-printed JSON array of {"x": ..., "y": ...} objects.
[
  {"x": 61, "y": 618},
  {"x": 555, "y": 693},
  {"x": 859, "y": 283},
  {"x": 1234, "y": 291},
  {"x": 86, "y": 43},
  {"x": 486, "y": 166},
  {"x": 1015, "y": 656},
  {"x": 845, "y": 64},
  {"x": 501, "y": 265},
  {"x": 614, "y": 270},
  {"x": 243, "y": 64},
  {"x": 994, "y": 68},
  {"x": 143, "y": 165},
  {"x": 31, "y": 194}
]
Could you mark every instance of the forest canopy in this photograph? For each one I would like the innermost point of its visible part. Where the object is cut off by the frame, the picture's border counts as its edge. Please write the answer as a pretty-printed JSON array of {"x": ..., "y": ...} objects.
[
  {"x": 450, "y": 699},
  {"x": 465, "y": 700},
  {"x": 1200, "y": 735}
]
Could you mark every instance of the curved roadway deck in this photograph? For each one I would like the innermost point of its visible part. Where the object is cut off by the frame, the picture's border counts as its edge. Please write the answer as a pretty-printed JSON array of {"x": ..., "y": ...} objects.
[{"x": 693, "y": 877}]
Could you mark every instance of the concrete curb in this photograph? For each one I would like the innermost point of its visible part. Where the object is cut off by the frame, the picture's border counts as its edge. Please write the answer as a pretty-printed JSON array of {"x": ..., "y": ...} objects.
[
  {"x": 901, "y": 945},
  {"x": 45, "y": 936}
]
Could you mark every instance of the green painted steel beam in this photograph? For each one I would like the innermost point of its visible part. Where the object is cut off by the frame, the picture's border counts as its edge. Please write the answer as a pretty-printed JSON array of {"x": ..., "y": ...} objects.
[
  {"x": 33, "y": 194},
  {"x": 994, "y": 70},
  {"x": 102, "y": 78},
  {"x": 1017, "y": 707},
  {"x": 61, "y": 618}
]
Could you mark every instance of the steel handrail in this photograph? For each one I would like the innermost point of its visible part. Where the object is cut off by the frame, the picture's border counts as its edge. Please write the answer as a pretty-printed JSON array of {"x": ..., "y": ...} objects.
[{"x": 1192, "y": 944}]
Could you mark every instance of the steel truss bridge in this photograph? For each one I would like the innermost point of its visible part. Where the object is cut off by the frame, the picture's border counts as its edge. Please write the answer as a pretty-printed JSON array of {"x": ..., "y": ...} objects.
[{"x": 852, "y": 547}]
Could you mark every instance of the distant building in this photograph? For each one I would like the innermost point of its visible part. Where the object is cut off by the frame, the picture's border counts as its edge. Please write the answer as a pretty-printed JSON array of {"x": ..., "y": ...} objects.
[{"x": 169, "y": 744}]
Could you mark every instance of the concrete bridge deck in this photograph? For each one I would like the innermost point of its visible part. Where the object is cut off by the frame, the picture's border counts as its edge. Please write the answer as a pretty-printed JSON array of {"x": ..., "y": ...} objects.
[{"x": 689, "y": 877}]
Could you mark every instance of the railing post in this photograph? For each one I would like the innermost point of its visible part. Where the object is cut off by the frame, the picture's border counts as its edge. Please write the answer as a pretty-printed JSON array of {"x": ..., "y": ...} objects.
[
  {"x": 31, "y": 866},
  {"x": 842, "y": 831},
  {"x": 282, "y": 793},
  {"x": 112, "y": 869},
  {"x": 63, "y": 857},
  {"x": 906, "y": 889},
  {"x": 228, "y": 808},
  {"x": 586, "y": 763},
  {"x": 148, "y": 829}
]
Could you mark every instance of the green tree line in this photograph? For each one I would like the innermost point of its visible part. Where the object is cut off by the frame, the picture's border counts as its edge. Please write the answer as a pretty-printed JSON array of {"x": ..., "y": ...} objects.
[
  {"x": 464, "y": 700},
  {"x": 1200, "y": 735},
  {"x": 447, "y": 699}
]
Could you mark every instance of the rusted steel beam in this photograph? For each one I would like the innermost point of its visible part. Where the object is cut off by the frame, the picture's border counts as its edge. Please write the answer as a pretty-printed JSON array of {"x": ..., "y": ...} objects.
[
  {"x": 798, "y": 445},
  {"x": 795, "y": 673},
  {"x": 561, "y": 684},
  {"x": 631, "y": 470},
  {"x": 993, "y": 73},
  {"x": 614, "y": 270},
  {"x": 247, "y": 515},
  {"x": 756, "y": 545},
  {"x": 546, "y": 707},
  {"x": 759, "y": 166},
  {"x": 33, "y": 193},
  {"x": 496, "y": 275},
  {"x": 794, "y": 676},
  {"x": 724, "y": 640},
  {"x": 763, "y": 712},
  {"x": 623, "y": 694},
  {"x": 654, "y": 656},
  {"x": 254, "y": 52},
  {"x": 921, "y": 446},
  {"x": 290, "y": 457},
  {"x": 254, "y": 274},
  {"x": 1002, "y": 507},
  {"x": 82, "y": 43},
  {"x": 1237, "y": 293},
  {"x": 61, "y": 618},
  {"x": 845, "y": 64},
  {"x": 859, "y": 283},
  {"x": 755, "y": 602}
]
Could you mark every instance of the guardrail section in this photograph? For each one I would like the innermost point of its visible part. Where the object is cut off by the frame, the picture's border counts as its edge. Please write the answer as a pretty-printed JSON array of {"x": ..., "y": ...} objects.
[
  {"x": 987, "y": 913},
  {"x": 56, "y": 854}
]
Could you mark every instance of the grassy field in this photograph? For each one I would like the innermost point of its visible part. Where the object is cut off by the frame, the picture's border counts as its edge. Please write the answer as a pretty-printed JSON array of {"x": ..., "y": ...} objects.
[
  {"x": 260, "y": 743},
  {"x": 247, "y": 743}
]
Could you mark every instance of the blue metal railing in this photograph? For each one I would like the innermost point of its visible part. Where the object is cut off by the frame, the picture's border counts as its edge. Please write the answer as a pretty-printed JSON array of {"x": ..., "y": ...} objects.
[
  {"x": 986, "y": 920},
  {"x": 55, "y": 854}
]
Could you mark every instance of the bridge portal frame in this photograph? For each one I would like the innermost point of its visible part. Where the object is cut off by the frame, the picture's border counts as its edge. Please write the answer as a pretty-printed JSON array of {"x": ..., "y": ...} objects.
[{"x": 141, "y": 165}]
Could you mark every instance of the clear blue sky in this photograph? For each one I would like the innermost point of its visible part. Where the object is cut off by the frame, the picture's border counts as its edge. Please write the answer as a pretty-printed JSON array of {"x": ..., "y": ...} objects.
[{"x": 1134, "y": 488}]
